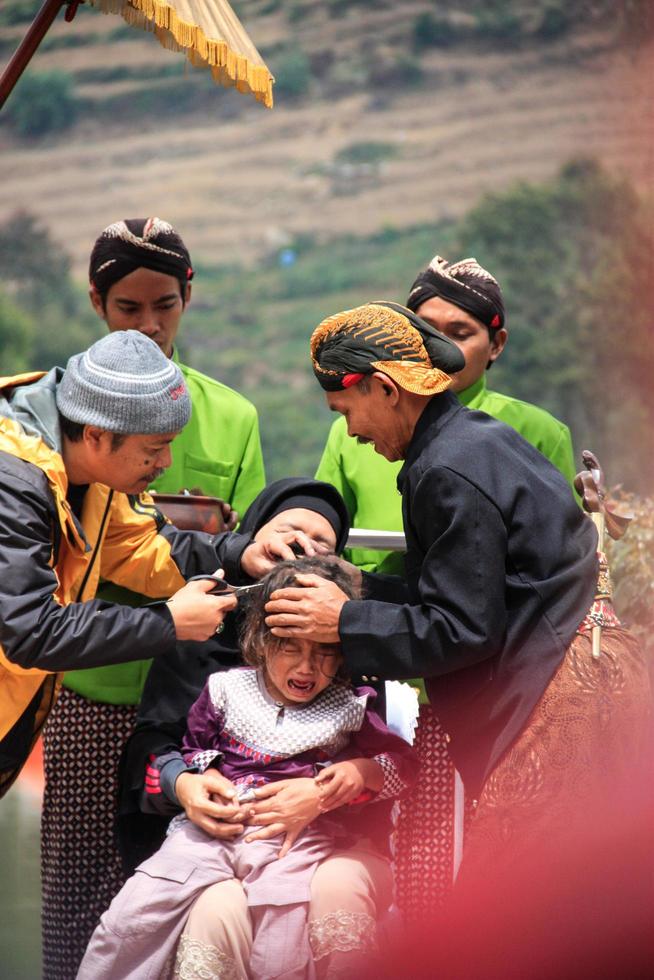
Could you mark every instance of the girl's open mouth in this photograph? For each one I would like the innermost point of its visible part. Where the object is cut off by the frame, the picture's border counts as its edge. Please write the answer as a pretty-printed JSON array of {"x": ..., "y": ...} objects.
[{"x": 301, "y": 687}]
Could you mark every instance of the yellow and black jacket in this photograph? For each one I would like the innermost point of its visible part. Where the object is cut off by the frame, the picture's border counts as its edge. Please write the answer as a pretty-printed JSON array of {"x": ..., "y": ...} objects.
[{"x": 51, "y": 563}]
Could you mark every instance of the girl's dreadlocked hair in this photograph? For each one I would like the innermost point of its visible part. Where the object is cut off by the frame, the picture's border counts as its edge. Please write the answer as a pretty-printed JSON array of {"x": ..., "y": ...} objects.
[{"x": 256, "y": 638}]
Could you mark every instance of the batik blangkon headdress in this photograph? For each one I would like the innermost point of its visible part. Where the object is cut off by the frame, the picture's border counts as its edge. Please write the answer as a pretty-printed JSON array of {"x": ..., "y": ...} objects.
[
  {"x": 387, "y": 337},
  {"x": 465, "y": 284},
  {"x": 136, "y": 243}
]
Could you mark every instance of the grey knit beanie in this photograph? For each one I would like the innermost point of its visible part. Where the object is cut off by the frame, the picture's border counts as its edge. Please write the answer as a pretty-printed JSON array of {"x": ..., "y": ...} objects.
[{"x": 126, "y": 384}]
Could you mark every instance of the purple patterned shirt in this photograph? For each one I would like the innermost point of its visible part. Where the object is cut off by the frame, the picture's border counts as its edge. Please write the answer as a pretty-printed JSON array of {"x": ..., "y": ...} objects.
[{"x": 238, "y": 727}]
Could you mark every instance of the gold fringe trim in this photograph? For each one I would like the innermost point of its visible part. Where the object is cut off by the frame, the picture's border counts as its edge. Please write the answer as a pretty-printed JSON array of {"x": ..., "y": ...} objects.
[{"x": 227, "y": 67}]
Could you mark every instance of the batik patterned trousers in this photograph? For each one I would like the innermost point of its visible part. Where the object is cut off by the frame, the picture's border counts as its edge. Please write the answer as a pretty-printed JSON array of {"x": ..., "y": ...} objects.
[{"x": 80, "y": 865}]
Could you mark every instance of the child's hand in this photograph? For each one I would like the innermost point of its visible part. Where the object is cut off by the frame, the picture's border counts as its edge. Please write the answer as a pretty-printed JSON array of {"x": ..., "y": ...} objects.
[
  {"x": 284, "y": 807},
  {"x": 344, "y": 781}
]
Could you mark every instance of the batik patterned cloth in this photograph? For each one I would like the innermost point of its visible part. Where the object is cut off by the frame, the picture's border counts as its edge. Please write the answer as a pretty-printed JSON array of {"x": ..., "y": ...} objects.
[
  {"x": 424, "y": 836},
  {"x": 80, "y": 866},
  {"x": 582, "y": 748},
  {"x": 148, "y": 243},
  {"x": 383, "y": 337},
  {"x": 592, "y": 709}
]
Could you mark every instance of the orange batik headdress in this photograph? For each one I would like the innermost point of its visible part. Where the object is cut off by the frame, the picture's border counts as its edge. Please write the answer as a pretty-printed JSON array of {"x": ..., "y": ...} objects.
[{"x": 385, "y": 337}]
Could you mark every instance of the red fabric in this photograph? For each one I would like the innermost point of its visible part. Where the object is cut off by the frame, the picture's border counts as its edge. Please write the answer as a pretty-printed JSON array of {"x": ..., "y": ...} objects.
[{"x": 351, "y": 379}]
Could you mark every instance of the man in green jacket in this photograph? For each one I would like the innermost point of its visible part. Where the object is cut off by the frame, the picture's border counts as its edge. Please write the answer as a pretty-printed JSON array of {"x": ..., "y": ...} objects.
[
  {"x": 140, "y": 275},
  {"x": 365, "y": 479}
]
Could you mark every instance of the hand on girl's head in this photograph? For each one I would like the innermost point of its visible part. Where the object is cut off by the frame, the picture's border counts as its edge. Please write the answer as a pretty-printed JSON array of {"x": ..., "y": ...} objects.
[{"x": 310, "y": 609}]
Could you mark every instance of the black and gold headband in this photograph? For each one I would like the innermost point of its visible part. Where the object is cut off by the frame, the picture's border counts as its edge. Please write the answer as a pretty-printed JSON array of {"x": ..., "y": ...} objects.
[{"x": 465, "y": 284}]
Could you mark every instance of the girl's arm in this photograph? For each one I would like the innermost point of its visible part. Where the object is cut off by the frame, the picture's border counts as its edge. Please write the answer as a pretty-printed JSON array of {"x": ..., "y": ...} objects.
[{"x": 380, "y": 765}]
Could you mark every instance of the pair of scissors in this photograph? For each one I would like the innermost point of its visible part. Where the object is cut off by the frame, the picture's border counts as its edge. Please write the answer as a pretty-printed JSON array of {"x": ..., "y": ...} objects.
[{"x": 222, "y": 587}]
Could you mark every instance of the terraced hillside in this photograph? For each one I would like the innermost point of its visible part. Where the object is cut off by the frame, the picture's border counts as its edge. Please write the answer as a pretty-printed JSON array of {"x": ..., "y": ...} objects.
[{"x": 387, "y": 114}]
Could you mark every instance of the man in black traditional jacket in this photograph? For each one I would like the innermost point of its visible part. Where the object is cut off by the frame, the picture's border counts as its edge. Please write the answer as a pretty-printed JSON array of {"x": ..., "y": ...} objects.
[{"x": 501, "y": 572}]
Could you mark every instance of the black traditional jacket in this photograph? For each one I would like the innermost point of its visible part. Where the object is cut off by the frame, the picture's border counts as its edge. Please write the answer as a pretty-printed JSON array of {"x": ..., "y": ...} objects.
[{"x": 501, "y": 568}]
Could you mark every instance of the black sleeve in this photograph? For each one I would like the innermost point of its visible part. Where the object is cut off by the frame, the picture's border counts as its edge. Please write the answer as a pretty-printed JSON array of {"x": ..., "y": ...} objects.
[
  {"x": 140, "y": 832},
  {"x": 459, "y": 615},
  {"x": 385, "y": 588},
  {"x": 195, "y": 552},
  {"x": 35, "y": 630}
]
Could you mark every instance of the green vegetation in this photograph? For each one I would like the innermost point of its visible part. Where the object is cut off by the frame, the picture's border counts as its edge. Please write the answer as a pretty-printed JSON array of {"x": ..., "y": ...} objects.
[
  {"x": 432, "y": 31},
  {"x": 382, "y": 64},
  {"x": 70, "y": 39},
  {"x": 339, "y": 8},
  {"x": 44, "y": 316},
  {"x": 172, "y": 68},
  {"x": 42, "y": 102},
  {"x": 292, "y": 72},
  {"x": 572, "y": 257},
  {"x": 371, "y": 151},
  {"x": 18, "y": 11},
  {"x": 499, "y": 20},
  {"x": 555, "y": 20},
  {"x": 17, "y": 332},
  {"x": 400, "y": 71},
  {"x": 167, "y": 95}
]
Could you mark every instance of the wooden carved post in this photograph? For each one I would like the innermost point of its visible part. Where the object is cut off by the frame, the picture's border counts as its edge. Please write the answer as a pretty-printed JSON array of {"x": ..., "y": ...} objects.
[{"x": 589, "y": 484}]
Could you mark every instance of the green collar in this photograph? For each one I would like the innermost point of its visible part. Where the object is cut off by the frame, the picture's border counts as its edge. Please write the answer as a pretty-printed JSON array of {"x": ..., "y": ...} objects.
[{"x": 471, "y": 396}]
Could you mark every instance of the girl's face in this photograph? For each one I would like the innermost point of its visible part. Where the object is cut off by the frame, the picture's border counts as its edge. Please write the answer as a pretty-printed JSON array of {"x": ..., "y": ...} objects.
[{"x": 299, "y": 670}]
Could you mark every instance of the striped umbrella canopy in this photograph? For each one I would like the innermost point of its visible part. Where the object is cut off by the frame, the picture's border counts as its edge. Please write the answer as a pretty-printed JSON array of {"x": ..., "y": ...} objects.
[{"x": 207, "y": 31}]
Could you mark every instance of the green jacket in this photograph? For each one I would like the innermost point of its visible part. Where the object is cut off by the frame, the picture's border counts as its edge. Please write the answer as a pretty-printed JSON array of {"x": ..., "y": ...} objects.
[
  {"x": 219, "y": 451},
  {"x": 367, "y": 481}
]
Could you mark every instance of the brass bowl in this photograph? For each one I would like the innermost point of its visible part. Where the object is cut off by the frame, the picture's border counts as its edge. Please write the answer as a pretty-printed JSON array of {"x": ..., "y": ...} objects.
[{"x": 190, "y": 512}]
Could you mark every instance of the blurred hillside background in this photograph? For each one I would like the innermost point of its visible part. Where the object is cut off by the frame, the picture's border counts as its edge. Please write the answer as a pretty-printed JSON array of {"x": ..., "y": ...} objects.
[{"x": 517, "y": 132}]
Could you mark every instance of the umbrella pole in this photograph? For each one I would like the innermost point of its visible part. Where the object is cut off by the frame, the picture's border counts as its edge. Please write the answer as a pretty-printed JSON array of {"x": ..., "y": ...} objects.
[{"x": 21, "y": 58}]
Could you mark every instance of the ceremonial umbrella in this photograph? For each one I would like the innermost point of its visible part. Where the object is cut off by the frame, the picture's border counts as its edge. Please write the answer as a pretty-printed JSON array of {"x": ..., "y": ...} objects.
[{"x": 207, "y": 31}]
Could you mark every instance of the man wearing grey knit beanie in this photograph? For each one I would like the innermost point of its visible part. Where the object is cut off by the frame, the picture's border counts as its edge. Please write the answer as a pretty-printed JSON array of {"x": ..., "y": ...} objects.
[
  {"x": 124, "y": 384},
  {"x": 77, "y": 450}
]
